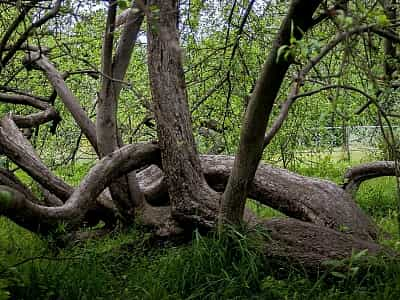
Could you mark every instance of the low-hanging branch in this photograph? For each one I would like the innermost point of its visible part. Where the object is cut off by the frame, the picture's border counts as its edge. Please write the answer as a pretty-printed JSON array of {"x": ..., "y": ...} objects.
[
  {"x": 37, "y": 119},
  {"x": 356, "y": 175}
]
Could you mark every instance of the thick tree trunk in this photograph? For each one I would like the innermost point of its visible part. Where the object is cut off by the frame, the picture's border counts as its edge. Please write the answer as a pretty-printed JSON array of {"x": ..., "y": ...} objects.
[
  {"x": 191, "y": 199},
  {"x": 309, "y": 246},
  {"x": 297, "y": 21},
  {"x": 309, "y": 199},
  {"x": 293, "y": 240}
]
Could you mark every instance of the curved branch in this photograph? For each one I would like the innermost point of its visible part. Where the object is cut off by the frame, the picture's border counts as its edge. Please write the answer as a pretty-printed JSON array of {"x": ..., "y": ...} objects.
[
  {"x": 42, "y": 219},
  {"x": 356, "y": 175},
  {"x": 20, "y": 151},
  {"x": 25, "y": 100},
  {"x": 299, "y": 80},
  {"x": 308, "y": 199},
  {"x": 37, "y": 119}
]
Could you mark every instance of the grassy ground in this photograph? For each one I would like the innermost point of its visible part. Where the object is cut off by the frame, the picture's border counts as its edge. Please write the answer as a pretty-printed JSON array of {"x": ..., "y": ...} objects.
[{"x": 129, "y": 266}]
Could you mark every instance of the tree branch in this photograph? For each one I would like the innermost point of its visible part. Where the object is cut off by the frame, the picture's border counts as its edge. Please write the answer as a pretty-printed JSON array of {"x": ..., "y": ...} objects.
[{"x": 67, "y": 97}]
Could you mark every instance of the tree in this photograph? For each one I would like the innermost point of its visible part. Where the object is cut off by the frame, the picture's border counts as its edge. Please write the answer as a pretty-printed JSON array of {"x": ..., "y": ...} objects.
[{"x": 200, "y": 191}]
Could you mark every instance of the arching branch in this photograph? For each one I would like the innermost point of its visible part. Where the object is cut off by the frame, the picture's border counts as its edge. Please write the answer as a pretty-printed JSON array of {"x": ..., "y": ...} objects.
[{"x": 354, "y": 176}]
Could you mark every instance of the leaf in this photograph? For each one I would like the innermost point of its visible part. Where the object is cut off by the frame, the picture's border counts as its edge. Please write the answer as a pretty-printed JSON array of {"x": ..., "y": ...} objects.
[
  {"x": 382, "y": 20},
  {"x": 123, "y": 4},
  {"x": 360, "y": 254},
  {"x": 338, "y": 275},
  {"x": 281, "y": 51}
]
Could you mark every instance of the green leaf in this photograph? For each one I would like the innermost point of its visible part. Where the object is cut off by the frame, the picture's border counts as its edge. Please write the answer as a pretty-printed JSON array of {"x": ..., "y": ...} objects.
[
  {"x": 382, "y": 20},
  {"x": 123, "y": 4},
  {"x": 338, "y": 275},
  {"x": 360, "y": 254},
  {"x": 281, "y": 51}
]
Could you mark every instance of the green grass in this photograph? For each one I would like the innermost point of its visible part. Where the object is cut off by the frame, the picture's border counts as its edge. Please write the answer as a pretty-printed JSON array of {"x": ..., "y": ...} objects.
[{"x": 230, "y": 266}]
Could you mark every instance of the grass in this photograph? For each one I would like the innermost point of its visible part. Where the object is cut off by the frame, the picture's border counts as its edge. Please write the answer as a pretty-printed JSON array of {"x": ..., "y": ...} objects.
[{"x": 229, "y": 266}]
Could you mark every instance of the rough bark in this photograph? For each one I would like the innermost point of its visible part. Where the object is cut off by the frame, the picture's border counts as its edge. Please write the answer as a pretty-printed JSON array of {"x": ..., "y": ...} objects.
[
  {"x": 309, "y": 199},
  {"x": 309, "y": 246},
  {"x": 20, "y": 151},
  {"x": 24, "y": 99},
  {"x": 191, "y": 199},
  {"x": 37, "y": 119},
  {"x": 354, "y": 176},
  {"x": 290, "y": 240},
  {"x": 251, "y": 143}
]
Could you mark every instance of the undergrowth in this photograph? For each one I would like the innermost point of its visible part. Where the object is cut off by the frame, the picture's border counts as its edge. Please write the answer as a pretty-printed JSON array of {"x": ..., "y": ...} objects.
[{"x": 231, "y": 265}]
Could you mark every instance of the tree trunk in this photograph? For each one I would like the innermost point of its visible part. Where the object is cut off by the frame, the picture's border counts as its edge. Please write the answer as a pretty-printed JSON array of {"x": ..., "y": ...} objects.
[
  {"x": 191, "y": 199},
  {"x": 309, "y": 199},
  {"x": 309, "y": 246},
  {"x": 297, "y": 21},
  {"x": 124, "y": 191}
]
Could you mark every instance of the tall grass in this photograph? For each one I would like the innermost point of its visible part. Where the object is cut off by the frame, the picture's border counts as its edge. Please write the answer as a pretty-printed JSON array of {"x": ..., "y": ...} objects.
[{"x": 218, "y": 266}]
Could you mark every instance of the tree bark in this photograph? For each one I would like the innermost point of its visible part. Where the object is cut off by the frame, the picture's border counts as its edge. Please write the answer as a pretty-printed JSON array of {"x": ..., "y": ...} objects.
[
  {"x": 310, "y": 246},
  {"x": 298, "y": 20},
  {"x": 354, "y": 176},
  {"x": 20, "y": 151},
  {"x": 309, "y": 199},
  {"x": 191, "y": 199},
  {"x": 43, "y": 219},
  {"x": 125, "y": 191},
  {"x": 71, "y": 103}
]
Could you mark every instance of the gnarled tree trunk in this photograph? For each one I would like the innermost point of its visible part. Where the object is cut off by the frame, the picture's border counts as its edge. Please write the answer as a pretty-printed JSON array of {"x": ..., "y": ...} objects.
[{"x": 192, "y": 200}]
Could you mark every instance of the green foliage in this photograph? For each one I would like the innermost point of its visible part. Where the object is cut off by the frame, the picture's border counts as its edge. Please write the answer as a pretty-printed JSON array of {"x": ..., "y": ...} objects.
[
  {"x": 223, "y": 266},
  {"x": 378, "y": 196},
  {"x": 123, "y": 4}
]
